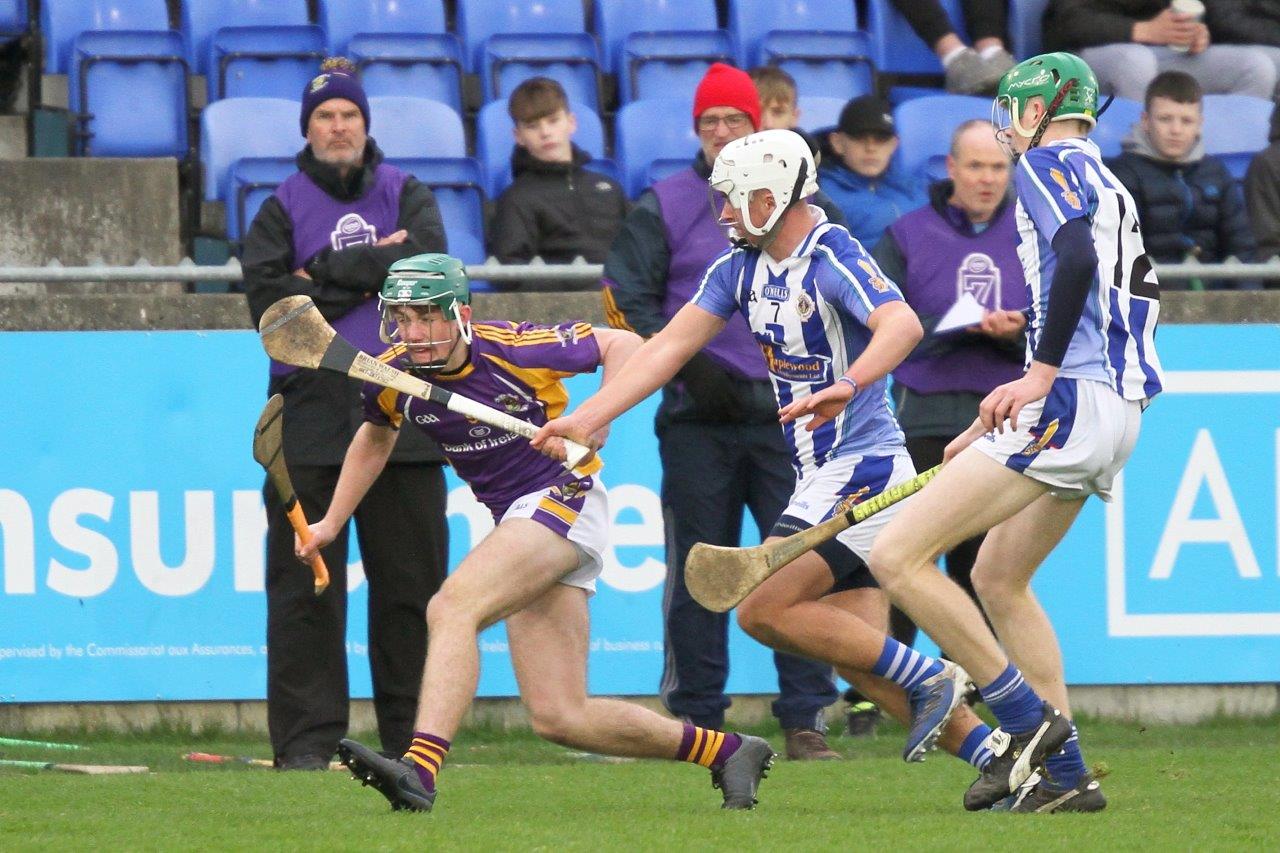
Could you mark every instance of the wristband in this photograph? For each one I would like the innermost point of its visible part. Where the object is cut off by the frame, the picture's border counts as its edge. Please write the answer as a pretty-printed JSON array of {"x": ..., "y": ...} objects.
[{"x": 852, "y": 384}]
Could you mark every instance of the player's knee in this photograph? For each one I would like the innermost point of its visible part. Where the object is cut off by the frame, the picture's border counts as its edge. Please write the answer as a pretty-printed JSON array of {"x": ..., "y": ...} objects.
[
  {"x": 889, "y": 562},
  {"x": 757, "y": 616},
  {"x": 992, "y": 586},
  {"x": 554, "y": 722},
  {"x": 446, "y": 609}
]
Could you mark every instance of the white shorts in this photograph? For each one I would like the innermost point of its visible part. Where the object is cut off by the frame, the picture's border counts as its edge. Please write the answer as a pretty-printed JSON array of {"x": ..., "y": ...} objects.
[
  {"x": 579, "y": 512},
  {"x": 1075, "y": 440},
  {"x": 828, "y": 490}
]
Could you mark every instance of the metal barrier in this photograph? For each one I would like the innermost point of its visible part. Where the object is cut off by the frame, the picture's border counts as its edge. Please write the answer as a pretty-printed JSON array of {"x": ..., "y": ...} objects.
[{"x": 579, "y": 270}]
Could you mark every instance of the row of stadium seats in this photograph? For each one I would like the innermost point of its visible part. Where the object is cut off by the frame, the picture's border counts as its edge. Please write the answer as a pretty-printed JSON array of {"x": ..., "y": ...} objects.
[{"x": 653, "y": 138}]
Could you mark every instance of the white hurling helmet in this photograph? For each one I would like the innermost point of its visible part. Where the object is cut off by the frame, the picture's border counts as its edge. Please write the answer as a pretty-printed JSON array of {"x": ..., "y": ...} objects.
[{"x": 776, "y": 160}]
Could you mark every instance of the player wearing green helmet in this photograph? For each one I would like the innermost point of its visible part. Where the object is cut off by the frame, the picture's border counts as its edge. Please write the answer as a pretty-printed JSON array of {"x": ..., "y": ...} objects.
[
  {"x": 1043, "y": 89},
  {"x": 433, "y": 289}
]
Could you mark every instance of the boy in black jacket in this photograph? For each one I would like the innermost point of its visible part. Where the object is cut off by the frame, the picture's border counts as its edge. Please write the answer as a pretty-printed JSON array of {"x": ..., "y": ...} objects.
[
  {"x": 1188, "y": 203},
  {"x": 555, "y": 209}
]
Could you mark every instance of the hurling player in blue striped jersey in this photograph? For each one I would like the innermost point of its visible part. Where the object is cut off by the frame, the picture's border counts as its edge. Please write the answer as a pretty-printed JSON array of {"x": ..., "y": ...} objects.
[
  {"x": 1042, "y": 443},
  {"x": 830, "y": 327}
]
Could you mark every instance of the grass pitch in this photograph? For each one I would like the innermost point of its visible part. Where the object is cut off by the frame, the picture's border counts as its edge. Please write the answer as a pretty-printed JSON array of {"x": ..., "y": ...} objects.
[{"x": 1210, "y": 786}]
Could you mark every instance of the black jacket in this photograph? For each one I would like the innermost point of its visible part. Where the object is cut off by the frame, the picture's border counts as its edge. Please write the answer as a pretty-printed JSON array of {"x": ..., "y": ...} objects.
[
  {"x": 321, "y": 409},
  {"x": 556, "y": 211},
  {"x": 1192, "y": 207},
  {"x": 1262, "y": 194},
  {"x": 1243, "y": 21},
  {"x": 1073, "y": 24}
]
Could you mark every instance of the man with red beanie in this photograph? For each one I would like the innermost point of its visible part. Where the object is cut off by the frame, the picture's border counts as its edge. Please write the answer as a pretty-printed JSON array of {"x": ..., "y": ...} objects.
[{"x": 721, "y": 446}]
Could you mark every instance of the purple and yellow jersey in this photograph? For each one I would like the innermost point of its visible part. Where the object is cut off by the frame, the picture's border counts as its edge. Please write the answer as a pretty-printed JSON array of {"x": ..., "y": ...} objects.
[{"x": 516, "y": 368}]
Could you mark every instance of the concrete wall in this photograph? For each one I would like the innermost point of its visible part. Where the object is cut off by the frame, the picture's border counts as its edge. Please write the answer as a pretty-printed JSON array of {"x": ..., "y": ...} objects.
[
  {"x": 90, "y": 210},
  {"x": 62, "y": 312}
]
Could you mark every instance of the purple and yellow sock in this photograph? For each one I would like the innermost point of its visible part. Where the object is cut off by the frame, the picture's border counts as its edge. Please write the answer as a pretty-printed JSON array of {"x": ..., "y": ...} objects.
[
  {"x": 427, "y": 754},
  {"x": 707, "y": 747}
]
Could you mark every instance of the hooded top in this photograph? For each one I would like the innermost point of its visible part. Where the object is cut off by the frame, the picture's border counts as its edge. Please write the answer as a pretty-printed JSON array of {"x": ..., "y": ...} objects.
[
  {"x": 1262, "y": 194},
  {"x": 870, "y": 204},
  {"x": 1190, "y": 207}
]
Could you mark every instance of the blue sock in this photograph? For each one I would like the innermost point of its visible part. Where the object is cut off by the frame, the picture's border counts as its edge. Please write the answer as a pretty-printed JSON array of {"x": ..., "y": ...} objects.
[
  {"x": 975, "y": 749},
  {"x": 905, "y": 666},
  {"x": 1014, "y": 703},
  {"x": 1066, "y": 768}
]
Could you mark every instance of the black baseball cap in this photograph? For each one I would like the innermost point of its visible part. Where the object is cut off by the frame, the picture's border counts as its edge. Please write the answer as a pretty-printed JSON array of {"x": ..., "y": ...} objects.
[{"x": 867, "y": 114}]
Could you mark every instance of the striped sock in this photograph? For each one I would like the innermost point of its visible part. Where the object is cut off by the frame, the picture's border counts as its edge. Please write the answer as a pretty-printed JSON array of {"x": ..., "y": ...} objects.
[
  {"x": 975, "y": 748},
  {"x": 1066, "y": 768},
  {"x": 427, "y": 754},
  {"x": 904, "y": 665},
  {"x": 707, "y": 747},
  {"x": 1014, "y": 703}
]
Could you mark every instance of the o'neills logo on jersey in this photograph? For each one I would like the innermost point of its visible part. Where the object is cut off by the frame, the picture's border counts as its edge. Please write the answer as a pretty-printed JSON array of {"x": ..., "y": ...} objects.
[
  {"x": 352, "y": 230},
  {"x": 776, "y": 292},
  {"x": 810, "y": 368}
]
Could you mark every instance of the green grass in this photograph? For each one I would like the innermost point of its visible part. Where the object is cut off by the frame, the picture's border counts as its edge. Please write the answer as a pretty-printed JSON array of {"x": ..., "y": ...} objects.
[{"x": 1210, "y": 786}]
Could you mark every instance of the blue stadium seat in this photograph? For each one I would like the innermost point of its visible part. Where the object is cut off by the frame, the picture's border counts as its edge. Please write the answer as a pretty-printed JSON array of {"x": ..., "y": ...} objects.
[
  {"x": 752, "y": 20},
  {"x": 925, "y": 126},
  {"x": 202, "y": 18},
  {"x": 252, "y": 181},
  {"x": 494, "y": 142},
  {"x": 1026, "y": 29},
  {"x": 13, "y": 18},
  {"x": 427, "y": 64},
  {"x": 62, "y": 20},
  {"x": 662, "y": 63},
  {"x": 618, "y": 20},
  {"x": 507, "y": 41},
  {"x": 649, "y": 130},
  {"x": 263, "y": 61},
  {"x": 1235, "y": 128},
  {"x": 416, "y": 127},
  {"x": 895, "y": 46},
  {"x": 344, "y": 19},
  {"x": 469, "y": 248},
  {"x": 235, "y": 128},
  {"x": 1115, "y": 124},
  {"x": 819, "y": 112},
  {"x": 823, "y": 63},
  {"x": 456, "y": 182},
  {"x": 130, "y": 92}
]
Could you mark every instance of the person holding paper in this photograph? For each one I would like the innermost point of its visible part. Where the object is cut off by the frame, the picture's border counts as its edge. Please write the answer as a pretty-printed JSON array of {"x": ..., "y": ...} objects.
[{"x": 956, "y": 261}]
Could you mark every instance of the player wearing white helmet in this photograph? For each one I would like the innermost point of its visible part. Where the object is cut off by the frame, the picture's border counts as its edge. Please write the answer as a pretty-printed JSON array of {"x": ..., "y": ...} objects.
[{"x": 831, "y": 327}]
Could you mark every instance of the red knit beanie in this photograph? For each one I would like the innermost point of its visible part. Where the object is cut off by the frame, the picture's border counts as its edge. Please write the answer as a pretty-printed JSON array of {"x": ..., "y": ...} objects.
[{"x": 726, "y": 86}]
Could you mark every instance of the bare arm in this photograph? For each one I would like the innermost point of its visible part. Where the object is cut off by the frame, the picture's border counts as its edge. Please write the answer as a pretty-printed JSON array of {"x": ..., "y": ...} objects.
[
  {"x": 365, "y": 459},
  {"x": 648, "y": 368},
  {"x": 895, "y": 331},
  {"x": 616, "y": 347}
]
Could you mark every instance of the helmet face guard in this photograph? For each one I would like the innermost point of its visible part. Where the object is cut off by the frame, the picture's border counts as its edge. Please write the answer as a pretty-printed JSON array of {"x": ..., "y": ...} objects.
[
  {"x": 776, "y": 160},
  {"x": 425, "y": 281}
]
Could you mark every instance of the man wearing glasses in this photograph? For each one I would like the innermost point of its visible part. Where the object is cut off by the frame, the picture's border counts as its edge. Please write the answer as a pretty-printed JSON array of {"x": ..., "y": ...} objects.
[{"x": 721, "y": 446}]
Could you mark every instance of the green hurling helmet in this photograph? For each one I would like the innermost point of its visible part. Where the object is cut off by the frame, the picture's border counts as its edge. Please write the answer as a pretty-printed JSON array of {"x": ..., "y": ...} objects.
[
  {"x": 428, "y": 279},
  {"x": 1045, "y": 76}
]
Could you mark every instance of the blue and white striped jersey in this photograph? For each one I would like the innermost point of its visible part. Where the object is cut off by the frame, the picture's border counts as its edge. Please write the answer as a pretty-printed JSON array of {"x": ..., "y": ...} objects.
[
  {"x": 1114, "y": 341},
  {"x": 808, "y": 312}
]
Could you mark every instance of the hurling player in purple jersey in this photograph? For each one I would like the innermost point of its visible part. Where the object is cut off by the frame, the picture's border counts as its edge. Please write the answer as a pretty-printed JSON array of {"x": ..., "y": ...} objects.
[{"x": 537, "y": 567}]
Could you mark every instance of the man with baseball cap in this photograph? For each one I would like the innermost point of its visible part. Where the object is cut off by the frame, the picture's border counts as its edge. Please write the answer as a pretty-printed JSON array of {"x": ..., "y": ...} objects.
[
  {"x": 859, "y": 172},
  {"x": 721, "y": 447},
  {"x": 330, "y": 231}
]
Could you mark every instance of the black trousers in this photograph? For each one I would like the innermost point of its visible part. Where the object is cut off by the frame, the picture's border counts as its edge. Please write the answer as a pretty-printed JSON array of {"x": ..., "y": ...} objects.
[
  {"x": 710, "y": 473},
  {"x": 404, "y": 546},
  {"x": 982, "y": 18}
]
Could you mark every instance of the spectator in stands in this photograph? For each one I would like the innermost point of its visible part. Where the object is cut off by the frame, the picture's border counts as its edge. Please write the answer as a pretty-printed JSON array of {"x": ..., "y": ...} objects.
[
  {"x": 1262, "y": 193},
  {"x": 718, "y": 435},
  {"x": 555, "y": 208},
  {"x": 861, "y": 174},
  {"x": 1250, "y": 22},
  {"x": 780, "y": 107},
  {"x": 1188, "y": 203},
  {"x": 330, "y": 231},
  {"x": 962, "y": 245},
  {"x": 1129, "y": 42},
  {"x": 969, "y": 70}
]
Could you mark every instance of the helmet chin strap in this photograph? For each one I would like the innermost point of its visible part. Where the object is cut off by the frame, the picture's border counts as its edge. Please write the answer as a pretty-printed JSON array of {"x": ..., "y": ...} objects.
[
  {"x": 767, "y": 238},
  {"x": 1050, "y": 111}
]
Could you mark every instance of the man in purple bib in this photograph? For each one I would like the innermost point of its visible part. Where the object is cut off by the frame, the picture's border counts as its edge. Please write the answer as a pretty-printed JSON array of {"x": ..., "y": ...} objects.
[{"x": 331, "y": 231}]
